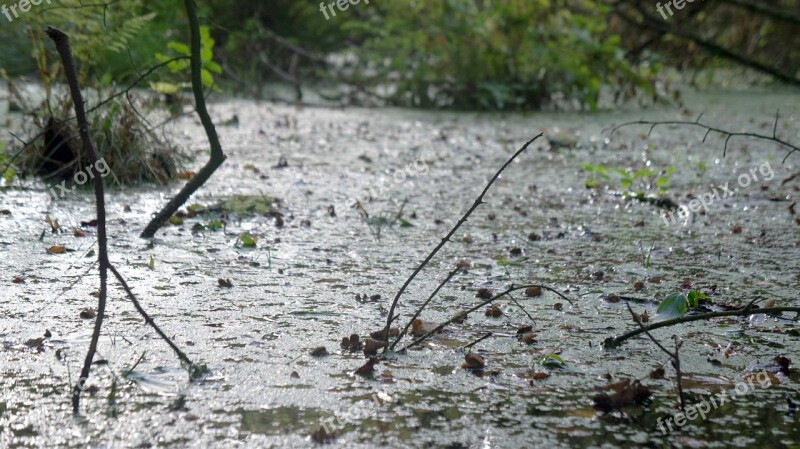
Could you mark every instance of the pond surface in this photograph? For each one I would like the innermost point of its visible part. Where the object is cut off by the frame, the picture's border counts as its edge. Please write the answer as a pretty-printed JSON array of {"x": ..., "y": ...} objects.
[{"x": 316, "y": 279}]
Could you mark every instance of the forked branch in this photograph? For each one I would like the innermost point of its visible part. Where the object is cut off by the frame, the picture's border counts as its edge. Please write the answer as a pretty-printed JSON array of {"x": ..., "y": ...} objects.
[
  {"x": 441, "y": 244},
  {"x": 709, "y": 129}
]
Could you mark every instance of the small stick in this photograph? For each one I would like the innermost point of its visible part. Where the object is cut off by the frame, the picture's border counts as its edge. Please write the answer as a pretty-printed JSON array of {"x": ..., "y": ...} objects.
[
  {"x": 467, "y": 346},
  {"x": 460, "y": 222}
]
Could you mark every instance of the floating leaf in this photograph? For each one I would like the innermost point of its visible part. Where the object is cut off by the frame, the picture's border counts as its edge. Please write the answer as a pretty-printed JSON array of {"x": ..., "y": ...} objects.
[
  {"x": 246, "y": 241},
  {"x": 673, "y": 306},
  {"x": 56, "y": 249},
  {"x": 552, "y": 360}
]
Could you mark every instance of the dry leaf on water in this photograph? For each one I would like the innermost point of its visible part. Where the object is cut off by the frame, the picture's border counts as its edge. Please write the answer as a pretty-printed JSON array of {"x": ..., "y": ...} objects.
[
  {"x": 353, "y": 343},
  {"x": 225, "y": 283},
  {"x": 528, "y": 338},
  {"x": 371, "y": 346},
  {"x": 493, "y": 311},
  {"x": 56, "y": 249},
  {"x": 657, "y": 373},
  {"x": 534, "y": 291},
  {"x": 620, "y": 394},
  {"x": 484, "y": 293},
  {"x": 368, "y": 368},
  {"x": 322, "y": 436},
  {"x": 381, "y": 334},
  {"x": 473, "y": 362},
  {"x": 420, "y": 328},
  {"x": 320, "y": 351}
]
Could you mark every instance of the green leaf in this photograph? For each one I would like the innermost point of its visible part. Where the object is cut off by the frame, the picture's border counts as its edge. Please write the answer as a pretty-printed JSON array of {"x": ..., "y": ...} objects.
[
  {"x": 247, "y": 241},
  {"x": 552, "y": 360},
  {"x": 694, "y": 298},
  {"x": 179, "y": 47},
  {"x": 673, "y": 306},
  {"x": 405, "y": 223},
  {"x": 164, "y": 88}
]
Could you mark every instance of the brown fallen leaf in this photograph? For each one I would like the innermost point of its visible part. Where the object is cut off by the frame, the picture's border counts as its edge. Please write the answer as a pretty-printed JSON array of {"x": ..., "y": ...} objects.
[
  {"x": 381, "y": 334},
  {"x": 534, "y": 291},
  {"x": 612, "y": 298},
  {"x": 34, "y": 342},
  {"x": 320, "y": 351},
  {"x": 294, "y": 375},
  {"x": 371, "y": 346},
  {"x": 539, "y": 375},
  {"x": 224, "y": 283},
  {"x": 657, "y": 373},
  {"x": 322, "y": 436},
  {"x": 18, "y": 280},
  {"x": 484, "y": 293},
  {"x": 79, "y": 233},
  {"x": 56, "y": 249},
  {"x": 460, "y": 318},
  {"x": 620, "y": 394},
  {"x": 185, "y": 175},
  {"x": 524, "y": 330},
  {"x": 473, "y": 362},
  {"x": 368, "y": 368},
  {"x": 88, "y": 313},
  {"x": 528, "y": 338},
  {"x": 493, "y": 311},
  {"x": 638, "y": 285},
  {"x": 420, "y": 328}
]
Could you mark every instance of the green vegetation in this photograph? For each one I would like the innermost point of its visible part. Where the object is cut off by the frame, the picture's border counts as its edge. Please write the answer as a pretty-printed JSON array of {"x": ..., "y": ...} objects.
[
  {"x": 637, "y": 182},
  {"x": 677, "y": 304}
]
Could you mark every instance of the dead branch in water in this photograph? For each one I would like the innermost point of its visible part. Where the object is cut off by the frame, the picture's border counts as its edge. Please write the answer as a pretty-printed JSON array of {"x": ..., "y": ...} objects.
[
  {"x": 61, "y": 41},
  {"x": 441, "y": 244},
  {"x": 614, "y": 342},
  {"x": 217, "y": 156},
  {"x": 710, "y": 129}
]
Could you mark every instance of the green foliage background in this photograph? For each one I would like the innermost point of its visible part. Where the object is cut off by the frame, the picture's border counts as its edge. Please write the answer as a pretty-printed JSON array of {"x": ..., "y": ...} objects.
[{"x": 462, "y": 54}]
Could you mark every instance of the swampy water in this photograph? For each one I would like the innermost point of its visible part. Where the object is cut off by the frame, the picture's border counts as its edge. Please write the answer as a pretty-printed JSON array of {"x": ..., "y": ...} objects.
[{"x": 317, "y": 279}]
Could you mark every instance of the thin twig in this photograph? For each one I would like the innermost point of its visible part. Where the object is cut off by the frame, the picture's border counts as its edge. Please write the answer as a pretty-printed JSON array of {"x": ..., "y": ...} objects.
[
  {"x": 149, "y": 320},
  {"x": 710, "y": 129},
  {"x": 469, "y": 345},
  {"x": 492, "y": 299},
  {"x": 613, "y": 342},
  {"x": 460, "y": 222}
]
